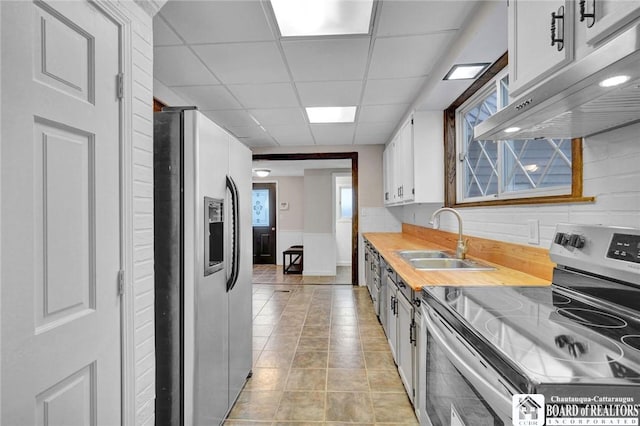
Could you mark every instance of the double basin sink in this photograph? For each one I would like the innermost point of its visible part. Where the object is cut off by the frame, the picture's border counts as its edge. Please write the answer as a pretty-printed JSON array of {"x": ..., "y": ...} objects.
[{"x": 437, "y": 260}]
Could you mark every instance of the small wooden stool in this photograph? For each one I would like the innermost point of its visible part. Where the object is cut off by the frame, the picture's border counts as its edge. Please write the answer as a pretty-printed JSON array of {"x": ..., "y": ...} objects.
[{"x": 296, "y": 260}]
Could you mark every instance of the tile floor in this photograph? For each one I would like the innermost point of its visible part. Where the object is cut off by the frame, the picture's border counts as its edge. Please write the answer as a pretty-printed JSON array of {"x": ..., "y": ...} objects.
[
  {"x": 272, "y": 274},
  {"x": 320, "y": 357}
]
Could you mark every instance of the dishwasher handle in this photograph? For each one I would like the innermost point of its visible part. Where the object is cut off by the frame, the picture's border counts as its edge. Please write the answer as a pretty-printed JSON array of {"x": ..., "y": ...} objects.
[{"x": 494, "y": 396}]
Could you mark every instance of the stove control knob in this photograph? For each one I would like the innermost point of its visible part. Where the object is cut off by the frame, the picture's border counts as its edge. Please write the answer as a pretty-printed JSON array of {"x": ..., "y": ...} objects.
[
  {"x": 560, "y": 238},
  {"x": 576, "y": 241}
]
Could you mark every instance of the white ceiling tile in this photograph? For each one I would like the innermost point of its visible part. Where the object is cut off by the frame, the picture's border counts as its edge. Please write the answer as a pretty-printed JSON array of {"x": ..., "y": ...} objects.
[
  {"x": 273, "y": 95},
  {"x": 402, "y": 17},
  {"x": 392, "y": 91},
  {"x": 291, "y": 135},
  {"x": 253, "y": 131},
  {"x": 163, "y": 35},
  {"x": 209, "y": 97},
  {"x": 328, "y": 59},
  {"x": 178, "y": 66},
  {"x": 410, "y": 56},
  {"x": 230, "y": 118},
  {"x": 279, "y": 116},
  {"x": 257, "y": 143},
  {"x": 218, "y": 21},
  {"x": 333, "y": 134},
  {"x": 329, "y": 93},
  {"x": 373, "y": 133},
  {"x": 244, "y": 62},
  {"x": 382, "y": 113}
]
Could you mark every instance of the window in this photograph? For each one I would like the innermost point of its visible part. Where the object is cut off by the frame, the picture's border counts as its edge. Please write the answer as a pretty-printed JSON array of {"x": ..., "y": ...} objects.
[
  {"x": 346, "y": 203},
  {"x": 483, "y": 172},
  {"x": 260, "y": 207}
]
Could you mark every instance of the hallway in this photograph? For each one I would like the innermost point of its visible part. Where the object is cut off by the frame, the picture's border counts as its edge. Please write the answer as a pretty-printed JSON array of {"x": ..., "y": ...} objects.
[
  {"x": 272, "y": 274},
  {"x": 320, "y": 357}
]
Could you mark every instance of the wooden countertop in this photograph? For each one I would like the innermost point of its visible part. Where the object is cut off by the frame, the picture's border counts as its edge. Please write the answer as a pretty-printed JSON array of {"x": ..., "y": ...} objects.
[{"x": 388, "y": 244}]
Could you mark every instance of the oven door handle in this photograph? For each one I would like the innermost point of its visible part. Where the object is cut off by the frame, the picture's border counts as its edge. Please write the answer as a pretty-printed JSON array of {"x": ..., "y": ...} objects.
[{"x": 496, "y": 397}]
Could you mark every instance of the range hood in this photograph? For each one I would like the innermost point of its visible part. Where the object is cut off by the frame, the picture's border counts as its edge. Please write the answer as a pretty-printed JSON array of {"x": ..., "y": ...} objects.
[{"x": 572, "y": 104}]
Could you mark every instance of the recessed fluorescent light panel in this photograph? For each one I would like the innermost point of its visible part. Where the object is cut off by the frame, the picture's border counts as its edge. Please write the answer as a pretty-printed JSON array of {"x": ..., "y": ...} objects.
[
  {"x": 303, "y": 18},
  {"x": 331, "y": 114},
  {"x": 614, "y": 81},
  {"x": 465, "y": 71}
]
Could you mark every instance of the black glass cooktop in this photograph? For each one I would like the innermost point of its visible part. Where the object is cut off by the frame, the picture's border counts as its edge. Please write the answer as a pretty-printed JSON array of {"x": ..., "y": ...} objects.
[{"x": 547, "y": 335}]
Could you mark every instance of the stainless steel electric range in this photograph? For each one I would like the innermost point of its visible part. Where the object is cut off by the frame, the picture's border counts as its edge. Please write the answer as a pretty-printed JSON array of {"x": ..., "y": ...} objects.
[{"x": 576, "y": 342}]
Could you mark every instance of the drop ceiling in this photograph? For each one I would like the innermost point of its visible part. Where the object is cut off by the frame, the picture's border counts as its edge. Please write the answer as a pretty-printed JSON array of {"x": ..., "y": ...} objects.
[{"x": 228, "y": 59}]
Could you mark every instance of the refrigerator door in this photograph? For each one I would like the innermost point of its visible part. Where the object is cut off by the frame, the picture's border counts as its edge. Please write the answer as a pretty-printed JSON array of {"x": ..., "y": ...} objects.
[
  {"x": 240, "y": 305},
  {"x": 206, "y": 340}
]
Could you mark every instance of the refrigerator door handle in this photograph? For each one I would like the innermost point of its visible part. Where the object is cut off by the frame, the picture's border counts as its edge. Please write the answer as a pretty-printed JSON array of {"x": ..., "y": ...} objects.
[{"x": 235, "y": 248}]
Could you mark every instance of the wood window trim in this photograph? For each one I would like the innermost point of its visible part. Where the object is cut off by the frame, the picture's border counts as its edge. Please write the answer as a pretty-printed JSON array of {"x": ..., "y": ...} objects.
[
  {"x": 450, "y": 166},
  {"x": 353, "y": 156}
]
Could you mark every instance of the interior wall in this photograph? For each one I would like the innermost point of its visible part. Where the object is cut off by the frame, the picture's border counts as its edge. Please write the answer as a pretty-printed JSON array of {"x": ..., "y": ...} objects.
[
  {"x": 290, "y": 221},
  {"x": 319, "y": 238},
  {"x": 611, "y": 174}
]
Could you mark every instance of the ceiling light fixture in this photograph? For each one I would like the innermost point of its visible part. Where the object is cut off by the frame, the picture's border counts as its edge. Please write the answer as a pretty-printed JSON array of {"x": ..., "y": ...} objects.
[
  {"x": 465, "y": 71},
  {"x": 300, "y": 18},
  {"x": 614, "y": 81},
  {"x": 331, "y": 114},
  {"x": 262, "y": 172},
  {"x": 511, "y": 129}
]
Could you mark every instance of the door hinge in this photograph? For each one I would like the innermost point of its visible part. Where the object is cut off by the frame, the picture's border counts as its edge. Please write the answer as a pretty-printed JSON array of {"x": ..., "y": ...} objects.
[
  {"x": 120, "y": 85},
  {"x": 120, "y": 282},
  {"x": 462, "y": 156}
]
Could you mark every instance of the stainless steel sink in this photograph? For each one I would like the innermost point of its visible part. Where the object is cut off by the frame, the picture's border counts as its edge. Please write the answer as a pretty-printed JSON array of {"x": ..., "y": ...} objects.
[
  {"x": 449, "y": 264},
  {"x": 425, "y": 254}
]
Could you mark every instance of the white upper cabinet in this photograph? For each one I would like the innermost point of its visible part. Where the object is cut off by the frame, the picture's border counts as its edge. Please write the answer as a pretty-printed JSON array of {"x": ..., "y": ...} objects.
[
  {"x": 413, "y": 162},
  {"x": 540, "y": 41},
  {"x": 603, "y": 17}
]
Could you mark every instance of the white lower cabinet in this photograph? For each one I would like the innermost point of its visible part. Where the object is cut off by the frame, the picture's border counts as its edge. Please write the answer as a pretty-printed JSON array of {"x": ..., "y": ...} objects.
[
  {"x": 405, "y": 342},
  {"x": 392, "y": 317}
]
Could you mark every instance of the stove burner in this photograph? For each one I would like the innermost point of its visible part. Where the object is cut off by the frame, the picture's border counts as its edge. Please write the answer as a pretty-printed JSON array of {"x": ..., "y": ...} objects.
[
  {"x": 558, "y": 344},
  {"x": 545, "y": 296},
  {"x": 592, "y": 318},
  {"x": 632, "y": 340}
]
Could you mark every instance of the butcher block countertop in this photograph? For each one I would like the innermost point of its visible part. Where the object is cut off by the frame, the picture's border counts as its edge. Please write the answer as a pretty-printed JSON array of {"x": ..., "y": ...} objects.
[{"x": 388, "y": 244}]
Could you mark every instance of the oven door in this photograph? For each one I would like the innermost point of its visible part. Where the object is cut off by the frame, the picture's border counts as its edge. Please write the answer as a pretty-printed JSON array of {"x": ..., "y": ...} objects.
[{"x": 460, "y": 388}]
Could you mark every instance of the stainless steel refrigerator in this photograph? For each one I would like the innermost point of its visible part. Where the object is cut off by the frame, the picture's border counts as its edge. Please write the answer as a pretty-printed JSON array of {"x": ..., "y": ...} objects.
[{"x": 202, "y": 243}]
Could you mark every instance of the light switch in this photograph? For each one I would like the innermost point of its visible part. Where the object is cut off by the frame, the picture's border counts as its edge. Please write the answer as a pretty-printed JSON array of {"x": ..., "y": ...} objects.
[{"x": 534, "y": 231}]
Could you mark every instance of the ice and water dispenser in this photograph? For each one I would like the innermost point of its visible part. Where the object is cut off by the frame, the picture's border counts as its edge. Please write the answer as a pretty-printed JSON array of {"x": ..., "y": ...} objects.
[{"x": 214, "y": 235}]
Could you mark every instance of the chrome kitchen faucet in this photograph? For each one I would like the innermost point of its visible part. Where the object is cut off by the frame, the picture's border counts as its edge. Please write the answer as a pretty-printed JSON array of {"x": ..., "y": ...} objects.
[{"x": 461, "y": 248}]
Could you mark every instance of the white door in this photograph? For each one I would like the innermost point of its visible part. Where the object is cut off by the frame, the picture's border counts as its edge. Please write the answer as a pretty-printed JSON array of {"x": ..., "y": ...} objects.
[{"x": 60, "y": 215}]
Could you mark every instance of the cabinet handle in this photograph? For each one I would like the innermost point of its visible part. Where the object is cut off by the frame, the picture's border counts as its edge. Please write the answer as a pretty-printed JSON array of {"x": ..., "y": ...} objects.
[
  {"x": 557, "y": 28},
  {"x": 412, "y": 333},
  {"x": 401, "y": 284},
  {"x": 590, "y": 17},
  {"x": 393, "y": 305}
]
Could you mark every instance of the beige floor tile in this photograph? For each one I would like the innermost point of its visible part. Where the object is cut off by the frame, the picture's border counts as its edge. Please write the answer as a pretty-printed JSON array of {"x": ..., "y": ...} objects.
[
  {"x": 379, "y": 360},
  {"x": 385, "y": 381},
  {"x": 345, "y": 344},
  {"x": 256, "y": 405},
  {"x": 346, "y": 360},
  {"x": 373, "y": 344},
  {"x": 313, "y": 343},
  {"x": 281, "y": 342},
  {"x": 262, "y": 330},
  {"x": 267, "y": 379},
  {"x": 301, "y": 406},
  {"x": 309, "y": 359},
  {"x": 307, "y": 379},
  {"x": 347, "y": 379},
  {"x": 393, "y": 407},
  {"x": 274, "y": 359},
  {"x": 316, "y": 331},
  {"x": 349, "y": 407}
]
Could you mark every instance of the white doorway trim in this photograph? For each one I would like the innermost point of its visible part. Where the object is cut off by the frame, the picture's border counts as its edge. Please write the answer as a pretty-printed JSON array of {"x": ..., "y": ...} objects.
[{"x": 127, "y": 308}]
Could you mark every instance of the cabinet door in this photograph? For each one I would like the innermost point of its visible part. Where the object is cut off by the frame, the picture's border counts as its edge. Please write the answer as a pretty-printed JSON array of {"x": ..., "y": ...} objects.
[
  {"x": 532, "y": 58},
  {"x": 604, "y": 17},
  {"x": 386, "y": 174},
  {"x": 404, "y": 350},
  {"x": 392, "y": 319},
  {"x": 405, "y": 161}
]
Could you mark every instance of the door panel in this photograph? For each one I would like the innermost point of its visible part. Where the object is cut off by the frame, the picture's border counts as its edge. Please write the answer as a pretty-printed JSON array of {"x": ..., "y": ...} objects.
[
  {"x": 264, "y": 223},
  {"x": 60, "y": 215}
]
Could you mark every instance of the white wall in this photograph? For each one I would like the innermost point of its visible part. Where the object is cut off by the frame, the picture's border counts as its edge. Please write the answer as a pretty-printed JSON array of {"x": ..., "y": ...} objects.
[{"x": 611, "y": 174}]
